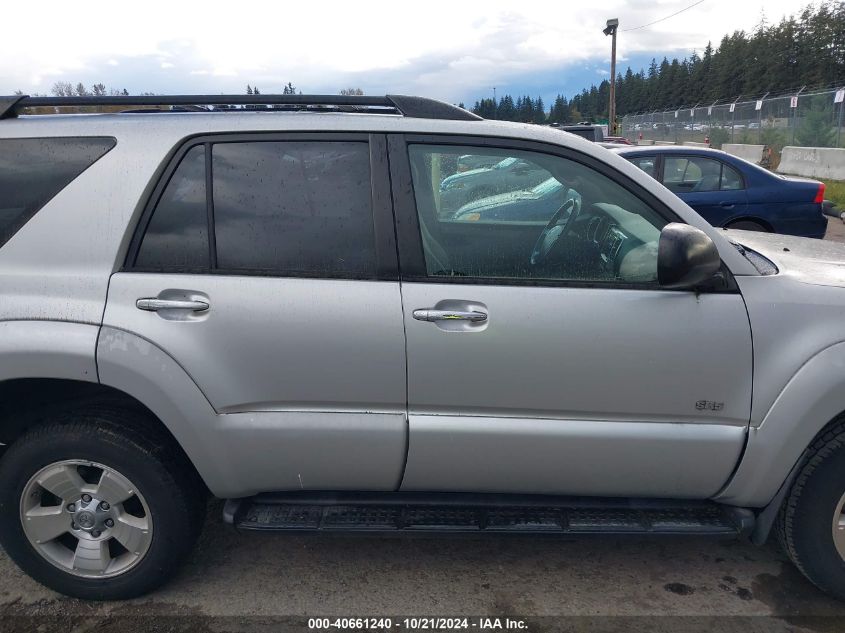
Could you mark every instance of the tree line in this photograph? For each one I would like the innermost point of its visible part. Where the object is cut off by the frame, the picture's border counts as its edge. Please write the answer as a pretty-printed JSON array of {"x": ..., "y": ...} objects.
[
  {"x": 807, "y": 50},
  {"x": 69, "y": 89}
]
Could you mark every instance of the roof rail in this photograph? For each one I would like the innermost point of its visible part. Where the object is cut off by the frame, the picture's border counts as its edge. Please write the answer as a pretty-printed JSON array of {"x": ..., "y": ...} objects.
[{"x": 417, "y": 107}]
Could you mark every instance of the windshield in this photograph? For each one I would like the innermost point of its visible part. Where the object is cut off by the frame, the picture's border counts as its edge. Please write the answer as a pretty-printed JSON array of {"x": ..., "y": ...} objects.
[
  {"x": 546, "y": 187},
  {"x": 505, "y": 163}
]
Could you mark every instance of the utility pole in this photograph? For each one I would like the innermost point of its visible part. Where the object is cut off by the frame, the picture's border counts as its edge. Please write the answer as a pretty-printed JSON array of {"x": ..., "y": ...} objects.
[{"x": 610, "y": 29}]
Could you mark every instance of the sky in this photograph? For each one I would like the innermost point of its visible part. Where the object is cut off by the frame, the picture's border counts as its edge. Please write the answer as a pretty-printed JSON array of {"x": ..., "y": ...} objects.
[{"x": 455, "y": 51}]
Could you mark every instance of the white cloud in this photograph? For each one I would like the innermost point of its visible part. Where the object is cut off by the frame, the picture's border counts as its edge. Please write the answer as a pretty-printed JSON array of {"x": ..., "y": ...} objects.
[{"x": 442, "y": 49}]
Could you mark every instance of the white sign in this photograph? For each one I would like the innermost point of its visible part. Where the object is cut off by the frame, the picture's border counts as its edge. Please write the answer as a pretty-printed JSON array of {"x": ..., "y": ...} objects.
[
  {"x": 793, "y": 102},
  {"x": 709, "y": 110},
  {"x": 692, "y": 112},
  {"x": 759, "y": 105},
  {"x": 676, "y": 114},
  {"x": 840, "y": 96},
  {"x": 733, "y": 106}
]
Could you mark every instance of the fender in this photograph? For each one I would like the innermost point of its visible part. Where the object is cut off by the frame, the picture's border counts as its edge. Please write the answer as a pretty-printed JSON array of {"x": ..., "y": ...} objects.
[
  {"x": 812, "y": 398},
  {"x": 48, "y": 349}
]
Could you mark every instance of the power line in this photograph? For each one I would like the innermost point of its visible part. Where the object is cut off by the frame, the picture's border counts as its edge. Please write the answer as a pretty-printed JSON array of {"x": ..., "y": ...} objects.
[{"x": 637, "y": 28}]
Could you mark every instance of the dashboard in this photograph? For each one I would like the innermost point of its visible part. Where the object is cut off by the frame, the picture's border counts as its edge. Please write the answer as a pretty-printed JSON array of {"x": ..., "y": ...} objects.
[{"x": 625, "y": 243}]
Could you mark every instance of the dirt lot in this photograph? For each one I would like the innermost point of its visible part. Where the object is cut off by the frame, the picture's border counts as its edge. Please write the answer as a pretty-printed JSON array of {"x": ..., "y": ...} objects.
[{"x": 248, "y": 582}]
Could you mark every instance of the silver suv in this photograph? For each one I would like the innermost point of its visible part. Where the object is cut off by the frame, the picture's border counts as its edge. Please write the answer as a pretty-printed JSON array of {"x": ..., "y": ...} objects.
[{"x": 270, "y": 304}]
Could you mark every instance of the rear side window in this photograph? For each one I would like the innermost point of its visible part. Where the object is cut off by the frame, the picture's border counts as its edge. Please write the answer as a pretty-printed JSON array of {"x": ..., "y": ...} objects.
[
  {"x": 34, "y": 170},
  {"x": 286, "y": 208},
  {"x": 731, "y": 179},
  {"x": 294, "y": 208},
  {"x": 683, "y": 174},
  {"x": 177, "y": 236}
]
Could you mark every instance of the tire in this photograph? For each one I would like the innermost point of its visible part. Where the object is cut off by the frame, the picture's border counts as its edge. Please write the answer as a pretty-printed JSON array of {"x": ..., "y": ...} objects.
[
  {"x": 164, "y": 512},
  {"x": 805, "y": 525},
  {"x": 748, "y": 225}
]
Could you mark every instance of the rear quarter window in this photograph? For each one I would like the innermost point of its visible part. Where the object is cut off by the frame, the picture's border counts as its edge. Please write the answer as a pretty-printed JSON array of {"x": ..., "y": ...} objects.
[{"x": 34, "y": 170}]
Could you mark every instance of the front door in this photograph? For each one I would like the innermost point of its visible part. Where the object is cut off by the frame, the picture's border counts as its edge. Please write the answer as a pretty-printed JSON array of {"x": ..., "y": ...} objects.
[
  {"x": 542, "y": 355},
  {"x": 266, "y": 268}
]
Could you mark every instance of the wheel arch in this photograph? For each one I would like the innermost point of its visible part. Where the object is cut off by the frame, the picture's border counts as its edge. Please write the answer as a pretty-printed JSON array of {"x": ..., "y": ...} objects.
[
  {"x": 26, "y": 403},
  {"x": 750, "y": 218},
  {"x": 135, "y": 366},
  {"x": 46, "y": 364},
  {"x": 812, "y": 400}
]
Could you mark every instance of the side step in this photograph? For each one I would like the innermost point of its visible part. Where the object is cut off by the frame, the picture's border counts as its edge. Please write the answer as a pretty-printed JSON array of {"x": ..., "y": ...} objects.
[{"x": 397, "y": 513}]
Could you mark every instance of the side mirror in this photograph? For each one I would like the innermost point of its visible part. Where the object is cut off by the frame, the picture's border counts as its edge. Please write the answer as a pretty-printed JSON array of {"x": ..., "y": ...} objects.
[{"x": 686, "y": 257}]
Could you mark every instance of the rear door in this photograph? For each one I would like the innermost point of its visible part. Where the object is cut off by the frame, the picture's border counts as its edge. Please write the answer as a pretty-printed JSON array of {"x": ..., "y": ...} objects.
[
  {"x": 265, "y": 266},
  {"x": 578, "y": 376},
  {"x": 711, "y": 187}
]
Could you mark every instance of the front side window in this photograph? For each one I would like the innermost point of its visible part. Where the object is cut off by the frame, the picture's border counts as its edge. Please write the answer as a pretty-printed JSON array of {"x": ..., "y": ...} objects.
[
  {"x": 647, "y": 164},
  {"x": 530, "y": 216}
]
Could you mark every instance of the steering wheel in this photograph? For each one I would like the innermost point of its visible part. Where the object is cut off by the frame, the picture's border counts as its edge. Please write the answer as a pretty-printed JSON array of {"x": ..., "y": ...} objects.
[{"x": 553, "y": 231}]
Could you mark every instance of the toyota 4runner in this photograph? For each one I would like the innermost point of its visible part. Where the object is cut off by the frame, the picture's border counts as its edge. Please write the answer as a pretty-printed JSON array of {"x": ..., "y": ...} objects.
[{"x": 271, "y": 303}]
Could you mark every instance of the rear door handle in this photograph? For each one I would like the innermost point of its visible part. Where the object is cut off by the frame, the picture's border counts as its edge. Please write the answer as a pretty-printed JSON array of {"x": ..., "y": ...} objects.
[
  {"x": 153, "y": 304},
  {"x": 727, "y": 205},
  {"x": 432, "y": 315}
]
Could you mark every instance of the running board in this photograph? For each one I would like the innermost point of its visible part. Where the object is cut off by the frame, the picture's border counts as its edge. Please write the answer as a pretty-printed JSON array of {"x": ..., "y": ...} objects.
[{"x": 381, "y": 514}]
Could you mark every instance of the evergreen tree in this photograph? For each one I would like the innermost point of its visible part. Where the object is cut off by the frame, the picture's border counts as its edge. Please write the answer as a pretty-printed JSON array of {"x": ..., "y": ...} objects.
[
  {"x": 805, "y": 50},
  {"x": 506, "y": 109},
  {"x": 539, "y": 111}
]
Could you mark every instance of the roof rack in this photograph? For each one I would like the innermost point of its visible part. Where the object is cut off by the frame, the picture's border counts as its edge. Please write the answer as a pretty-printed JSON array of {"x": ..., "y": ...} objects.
[{"x": 417, "y": 107}]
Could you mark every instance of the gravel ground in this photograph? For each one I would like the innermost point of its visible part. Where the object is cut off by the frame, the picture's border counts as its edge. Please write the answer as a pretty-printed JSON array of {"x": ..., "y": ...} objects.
[{"x": 242, "y": 582}]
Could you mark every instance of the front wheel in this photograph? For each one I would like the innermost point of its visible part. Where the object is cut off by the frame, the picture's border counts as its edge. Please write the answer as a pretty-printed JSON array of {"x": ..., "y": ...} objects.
[
  {"x": 811, "y": 524},
  {"x": 94, "y": 508}
]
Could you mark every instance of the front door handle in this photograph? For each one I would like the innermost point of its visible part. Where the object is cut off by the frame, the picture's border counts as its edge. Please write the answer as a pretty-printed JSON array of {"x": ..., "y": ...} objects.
[
  {"x": 430, "y": 314},
  {"x": 153, "y": 304}
]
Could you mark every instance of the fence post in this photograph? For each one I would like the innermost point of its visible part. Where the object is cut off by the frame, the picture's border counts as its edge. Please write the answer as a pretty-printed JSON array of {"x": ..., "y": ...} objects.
[
  {"x": 795, "y": 113},
  {"x": 733, "y": 117},
  {"x": 760, "y": 119},
  {"x": 839, "y": 124}
]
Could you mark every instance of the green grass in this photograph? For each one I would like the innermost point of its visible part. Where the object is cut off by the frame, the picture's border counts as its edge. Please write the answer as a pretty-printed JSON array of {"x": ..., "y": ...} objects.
[{"x": 835, "y": 190}]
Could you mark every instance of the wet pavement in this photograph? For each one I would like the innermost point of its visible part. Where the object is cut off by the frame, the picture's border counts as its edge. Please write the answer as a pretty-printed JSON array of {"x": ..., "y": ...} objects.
[{"x": 245, "y": 582}]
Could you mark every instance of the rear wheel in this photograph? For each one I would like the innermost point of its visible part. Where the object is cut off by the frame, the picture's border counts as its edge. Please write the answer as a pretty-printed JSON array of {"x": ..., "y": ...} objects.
[
  {"x": 94, "y": 508},
  {"x": 748, "y": 225},
  {"x": 811, "y": 524}
]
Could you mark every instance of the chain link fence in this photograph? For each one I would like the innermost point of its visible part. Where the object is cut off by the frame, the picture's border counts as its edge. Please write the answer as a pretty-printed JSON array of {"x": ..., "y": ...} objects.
[{"x": 807, "y": 119}]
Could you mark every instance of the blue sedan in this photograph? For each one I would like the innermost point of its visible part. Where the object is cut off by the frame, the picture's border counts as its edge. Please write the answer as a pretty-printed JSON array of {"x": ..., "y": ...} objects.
[{"x": 731, "y": 192}]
